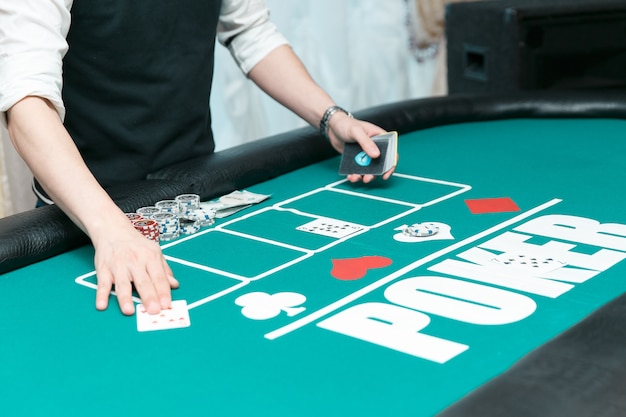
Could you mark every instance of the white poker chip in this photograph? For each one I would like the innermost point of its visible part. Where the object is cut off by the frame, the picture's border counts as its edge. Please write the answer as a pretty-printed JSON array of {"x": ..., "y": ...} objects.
[
  {"x": 421, "y": 230},
  {"x": 148, "y": 212},
  {"x": 204, "y": 216},
  {"x": 188, "y": 201},
  {"x": 168, "y": 206},
  {"x": 189, "y": 227}
]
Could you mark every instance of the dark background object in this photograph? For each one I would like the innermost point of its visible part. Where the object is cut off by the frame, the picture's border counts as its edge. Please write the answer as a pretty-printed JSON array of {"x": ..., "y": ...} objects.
[{"x": 522, "y": 45}]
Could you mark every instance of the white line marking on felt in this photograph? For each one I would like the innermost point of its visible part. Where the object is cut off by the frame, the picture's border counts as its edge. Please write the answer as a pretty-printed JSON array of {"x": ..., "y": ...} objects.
[
  {"x": 307, "y": 252},
  {"x": 206, "y": 268},
  {"x": 81, "y": 281},
  {"x": 237, "y": 276},
  {"x": 375, "y": 285},
  {"x": 463, "y": 188},
  {"x": 371, "y": 197},
  {"x": 217, "y": 295}
]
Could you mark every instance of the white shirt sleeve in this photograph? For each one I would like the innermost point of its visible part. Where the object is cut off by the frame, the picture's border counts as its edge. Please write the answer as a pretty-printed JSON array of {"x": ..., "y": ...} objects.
[
  {"x": 246, "y": 30},
  {"x": 32, "y": 47}
]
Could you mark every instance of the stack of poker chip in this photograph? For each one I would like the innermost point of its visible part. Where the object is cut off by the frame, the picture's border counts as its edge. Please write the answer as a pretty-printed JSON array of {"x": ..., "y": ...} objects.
[
  {"x": 193, "y": 213},
  {"x": 169, "y": 225},
  {"x": 147, "y": 212},
  {"x": 147, "y": 227},
  {"x": 421, "y": 230},
  {"x": 183, "y": 215}
]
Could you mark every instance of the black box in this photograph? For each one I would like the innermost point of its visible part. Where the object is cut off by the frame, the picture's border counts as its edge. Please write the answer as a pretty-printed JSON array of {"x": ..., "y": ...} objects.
[{"x": 521, "y": 45}]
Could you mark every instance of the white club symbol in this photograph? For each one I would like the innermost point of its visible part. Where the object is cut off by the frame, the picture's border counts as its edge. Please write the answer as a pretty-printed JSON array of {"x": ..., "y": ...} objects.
[{"x": 263, "y": 306}]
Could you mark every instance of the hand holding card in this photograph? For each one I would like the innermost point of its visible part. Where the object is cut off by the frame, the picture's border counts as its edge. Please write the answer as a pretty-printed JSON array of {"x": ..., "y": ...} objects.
[{"x": 355, "y": 161}]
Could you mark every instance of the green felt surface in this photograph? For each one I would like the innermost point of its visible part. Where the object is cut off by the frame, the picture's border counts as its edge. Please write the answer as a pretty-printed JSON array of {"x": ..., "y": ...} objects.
[{"x": 61, "y": 357}]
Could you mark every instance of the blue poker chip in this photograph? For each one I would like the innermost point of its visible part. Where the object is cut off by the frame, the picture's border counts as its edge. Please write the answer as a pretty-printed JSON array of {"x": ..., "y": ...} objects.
[{"x": 421, "y": 230}]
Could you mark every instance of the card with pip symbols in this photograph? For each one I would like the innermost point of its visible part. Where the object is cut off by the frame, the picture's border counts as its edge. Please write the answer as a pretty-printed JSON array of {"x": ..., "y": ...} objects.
[
  {"x": 330, "y": 227},
  {"x": 528, "y": 263},
  {"x": 175, "y": 317},
  {"x": 355, "y": 161}
]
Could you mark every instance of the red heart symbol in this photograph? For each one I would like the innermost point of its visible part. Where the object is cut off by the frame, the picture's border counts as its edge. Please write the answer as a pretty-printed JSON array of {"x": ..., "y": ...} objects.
[{"x": 356, "y": 268}]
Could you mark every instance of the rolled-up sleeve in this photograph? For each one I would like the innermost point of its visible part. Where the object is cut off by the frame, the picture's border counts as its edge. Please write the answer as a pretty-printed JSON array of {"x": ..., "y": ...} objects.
[
  {"x": 246, "y": 30},
  {"x": 32, "y": 47}
]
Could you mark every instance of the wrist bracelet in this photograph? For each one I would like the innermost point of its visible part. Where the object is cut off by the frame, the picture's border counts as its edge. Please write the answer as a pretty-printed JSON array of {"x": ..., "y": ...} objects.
[{"x": 325, "y": 122}]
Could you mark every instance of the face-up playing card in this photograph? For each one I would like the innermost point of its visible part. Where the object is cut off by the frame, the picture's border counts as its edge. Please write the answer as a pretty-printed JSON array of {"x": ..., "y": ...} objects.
[
  {"x": 330, "y": 227},
  {"x": 175, "y": 317},
  {"x": 529, "y": 263}
]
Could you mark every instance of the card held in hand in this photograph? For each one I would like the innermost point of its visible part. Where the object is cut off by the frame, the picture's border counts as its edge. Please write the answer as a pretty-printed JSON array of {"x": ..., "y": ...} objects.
[{"x": 355, "y": 161}]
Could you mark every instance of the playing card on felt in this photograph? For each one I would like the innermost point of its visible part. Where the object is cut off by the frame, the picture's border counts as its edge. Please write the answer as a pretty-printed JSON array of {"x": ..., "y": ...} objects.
[
  {"x": 355, "y": 161},
  {"x": 175, "y": 317},
  {"x": 530, "y": 263},
  {"x": 330, "y": 227}
]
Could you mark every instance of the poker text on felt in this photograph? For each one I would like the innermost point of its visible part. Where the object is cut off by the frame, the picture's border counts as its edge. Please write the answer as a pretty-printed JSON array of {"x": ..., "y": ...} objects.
[{"x": 398, "y": 323}]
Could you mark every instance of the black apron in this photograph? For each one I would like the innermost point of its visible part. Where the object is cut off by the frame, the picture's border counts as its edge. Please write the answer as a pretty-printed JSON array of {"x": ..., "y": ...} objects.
[{"x": 137, "y": 80}]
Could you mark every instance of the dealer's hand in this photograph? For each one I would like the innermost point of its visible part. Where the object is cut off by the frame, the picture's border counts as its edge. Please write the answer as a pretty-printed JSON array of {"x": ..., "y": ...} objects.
[
  {"x": 125, "y": 258},
  {"x": 343, "y": 128}
]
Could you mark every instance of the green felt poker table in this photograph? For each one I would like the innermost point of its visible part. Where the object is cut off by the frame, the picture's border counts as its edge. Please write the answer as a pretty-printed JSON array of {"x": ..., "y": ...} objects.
[{"x": 369, "y": 321}]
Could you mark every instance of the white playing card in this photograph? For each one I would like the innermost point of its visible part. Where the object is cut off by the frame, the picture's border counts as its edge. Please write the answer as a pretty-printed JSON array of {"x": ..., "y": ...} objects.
[
  {"x": 242, "y": 198},
  {"x": 330, "y": 227},
  {"x": 530, "y": 263},
  {"x": 175, "y": 317},
  {"x": 229, "y": 211}
]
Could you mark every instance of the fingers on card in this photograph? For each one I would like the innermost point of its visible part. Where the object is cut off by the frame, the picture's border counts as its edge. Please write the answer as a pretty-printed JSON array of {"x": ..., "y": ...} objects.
[
  {"x": 175, "y": 317},
  {"x": 330, "y": 227},
  {"x": 529, "y": 263}
]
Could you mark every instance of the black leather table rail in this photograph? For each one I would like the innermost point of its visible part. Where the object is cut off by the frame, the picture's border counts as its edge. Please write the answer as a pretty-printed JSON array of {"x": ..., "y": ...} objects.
[{"x": 581, "y": 373}]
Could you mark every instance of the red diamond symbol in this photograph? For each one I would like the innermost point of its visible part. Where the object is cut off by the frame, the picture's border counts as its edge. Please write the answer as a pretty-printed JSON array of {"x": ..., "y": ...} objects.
[{"x": 492, "y": 205}]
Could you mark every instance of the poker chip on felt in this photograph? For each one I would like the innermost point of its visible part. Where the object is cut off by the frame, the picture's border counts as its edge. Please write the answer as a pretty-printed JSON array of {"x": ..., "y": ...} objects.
[
  {"x": 133, "y": 216},
  {"x": 205, "y": 216},
  {"x": 147, "y": 212},
  {"x": 147, "y": 227},
  {"x": 168, "y": 206},
  {"x": 420, "y": 230},
  {"x": 189, "y": 227},
  {"x": 182, "y": 215},
  {"x": 168, "y": 225},
  {"x": 188, "y": 202}
]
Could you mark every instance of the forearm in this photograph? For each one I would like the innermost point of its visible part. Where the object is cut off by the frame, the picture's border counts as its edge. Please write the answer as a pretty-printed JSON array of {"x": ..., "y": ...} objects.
[
  {"x": 42, "y": 141},
  {"x": 282, "y": 76}
]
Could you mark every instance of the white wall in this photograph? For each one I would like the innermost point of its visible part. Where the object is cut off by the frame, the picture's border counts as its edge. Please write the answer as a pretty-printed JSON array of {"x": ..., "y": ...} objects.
[
  {"x": 15, "y": 179},
  {"x": 355, "y": 49}
]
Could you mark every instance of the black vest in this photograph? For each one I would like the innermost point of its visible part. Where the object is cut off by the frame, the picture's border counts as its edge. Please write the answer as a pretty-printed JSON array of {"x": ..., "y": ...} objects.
[{"x": 137, "y": 80}]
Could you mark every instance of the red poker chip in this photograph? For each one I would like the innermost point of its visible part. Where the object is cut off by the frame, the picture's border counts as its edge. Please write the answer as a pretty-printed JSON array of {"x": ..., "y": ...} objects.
[
  {"x": 147, "y": 227},
  {"x": 145, "y": 224}
]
